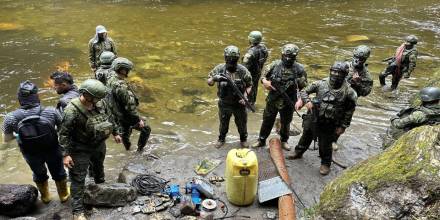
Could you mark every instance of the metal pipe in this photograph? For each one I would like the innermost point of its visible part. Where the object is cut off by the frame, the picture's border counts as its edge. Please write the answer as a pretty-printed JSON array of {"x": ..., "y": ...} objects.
[{"x": 286, "y": 204}]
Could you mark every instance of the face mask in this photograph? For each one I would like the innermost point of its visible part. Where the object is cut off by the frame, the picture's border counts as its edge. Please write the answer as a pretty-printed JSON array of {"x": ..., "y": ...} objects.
[
  {"x": 336, "y": 80},
  {"x": 358, "y": 62},
  {"x": 408, "y": 46},
  {"x": 288, "y": 60},
  {"x": 231, "y": 64}
]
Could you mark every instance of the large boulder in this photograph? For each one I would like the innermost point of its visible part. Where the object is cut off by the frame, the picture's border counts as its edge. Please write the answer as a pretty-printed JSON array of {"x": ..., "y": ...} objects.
[
  {"x": 109, "y": 195},
  {"x": 401, "y": 183},
  {"x": 17, "y": 200}
]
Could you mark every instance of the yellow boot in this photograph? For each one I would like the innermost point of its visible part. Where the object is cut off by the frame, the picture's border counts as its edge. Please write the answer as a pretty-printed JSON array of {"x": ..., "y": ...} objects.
[
  {"x": 44, "y": 191},
  {"x": 63, "y": 190}
]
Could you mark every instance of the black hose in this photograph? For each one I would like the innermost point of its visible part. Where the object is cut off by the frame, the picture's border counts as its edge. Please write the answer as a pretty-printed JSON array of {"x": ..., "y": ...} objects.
[{"x": 146, "y": 184}]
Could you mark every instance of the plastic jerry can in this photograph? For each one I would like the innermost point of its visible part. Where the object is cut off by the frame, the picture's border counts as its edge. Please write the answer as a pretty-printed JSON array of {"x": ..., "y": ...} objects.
[{"x": 241, "y": 176}]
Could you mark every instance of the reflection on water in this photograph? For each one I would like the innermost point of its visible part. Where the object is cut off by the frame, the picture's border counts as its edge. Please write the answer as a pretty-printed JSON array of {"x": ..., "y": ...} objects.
[{"x": 175, "y": 43}]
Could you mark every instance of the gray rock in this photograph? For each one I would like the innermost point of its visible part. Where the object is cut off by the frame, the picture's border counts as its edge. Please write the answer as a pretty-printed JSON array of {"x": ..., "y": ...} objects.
[
  {"x": 130, "y": 171},
  {"x": 110, "y": 195},
  {"x": 17, "y": 200}
]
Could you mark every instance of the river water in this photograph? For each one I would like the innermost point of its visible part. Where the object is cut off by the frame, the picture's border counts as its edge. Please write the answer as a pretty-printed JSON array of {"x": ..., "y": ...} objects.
[{"x": 174, "y": 44}]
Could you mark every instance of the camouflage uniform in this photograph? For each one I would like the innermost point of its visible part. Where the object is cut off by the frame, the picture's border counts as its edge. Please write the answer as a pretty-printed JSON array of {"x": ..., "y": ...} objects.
[
  {"x": 407, "y": 65},
  {"x": 410, "y": 118},
  {"x": 336, "y": 110},
  {"x": 85, "y": 143},
  {"x": 292, "y": 80},
  {"x": 103, "y": 73},
  {"x": 228, "y": 103},
  {"x": 124, "y": 103},
  {"x": 97, "y": 46},
  {"x": 254, "y": 61},
  {"x": 362, "y": 88}
]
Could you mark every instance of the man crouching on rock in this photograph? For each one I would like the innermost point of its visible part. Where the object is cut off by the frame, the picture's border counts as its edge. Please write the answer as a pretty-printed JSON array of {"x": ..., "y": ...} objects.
[
  {"x": 337, "y": 102},
  {"x": 86, "y": 124}
]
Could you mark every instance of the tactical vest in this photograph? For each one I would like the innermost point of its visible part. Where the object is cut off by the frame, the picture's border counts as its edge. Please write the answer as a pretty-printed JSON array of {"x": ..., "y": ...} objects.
[
  {"x": 225, "y": 91},
  {"x": 103, "y": 74},
  {"x": 287, "y": 82},
  {"x": 332, "y": 101},
  {"x": 405, "y": 58},
  {"x": 260, "y": 54},
  {"x": 97, "y": 127}
]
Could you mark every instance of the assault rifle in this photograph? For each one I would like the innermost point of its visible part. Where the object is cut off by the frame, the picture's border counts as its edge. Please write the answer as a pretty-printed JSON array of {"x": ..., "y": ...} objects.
[
  {"x": 237, "y": 91},
  {"x": 279, "y": 88},
  {"x": 315, "y": 112},
  {"x": 388, "y": 59}
]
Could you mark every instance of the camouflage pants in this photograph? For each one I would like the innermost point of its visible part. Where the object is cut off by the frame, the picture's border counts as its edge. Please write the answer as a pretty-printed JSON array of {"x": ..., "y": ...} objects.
[
  {"x": 269, "y": 116},
  {"x": 391, "y": 70},
  {"x": 78, "y": 173},
  {"x": 143, "y": 137},
  {"x": 225, "y": 111},
  {"x": 254, "y": 90},
  {"x": 326, "y": 136}
]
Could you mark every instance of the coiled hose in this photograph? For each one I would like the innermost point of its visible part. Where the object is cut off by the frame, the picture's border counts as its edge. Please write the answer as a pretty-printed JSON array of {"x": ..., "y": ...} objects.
[{"x": 147, "y": 184}]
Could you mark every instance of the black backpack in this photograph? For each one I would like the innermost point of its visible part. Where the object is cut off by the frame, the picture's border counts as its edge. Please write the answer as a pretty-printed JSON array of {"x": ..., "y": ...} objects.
[{"x": 36, "y": 134}]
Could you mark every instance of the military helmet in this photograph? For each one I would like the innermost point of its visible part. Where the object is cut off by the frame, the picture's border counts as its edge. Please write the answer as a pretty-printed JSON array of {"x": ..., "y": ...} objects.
[
  {"x": 411, "y": 39},
  {"x": 340, "y": 67},
  {"x": 232, "y": 51},
  {"x": 290, "y": 49},
  {"x": 107, "y": 57},
  {"x": 429, "y": 94},
  {"x": 94, "y": 87},
  {"x": 255, "y": 37},
  {"x": 122, "y": 62},
  {"x": 27, "y": 88},
  {"x": 362, "y": 51}
]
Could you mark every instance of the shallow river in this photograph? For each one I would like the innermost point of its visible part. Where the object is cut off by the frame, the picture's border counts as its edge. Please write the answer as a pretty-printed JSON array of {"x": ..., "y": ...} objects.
[{"x": 174, "y": 44}]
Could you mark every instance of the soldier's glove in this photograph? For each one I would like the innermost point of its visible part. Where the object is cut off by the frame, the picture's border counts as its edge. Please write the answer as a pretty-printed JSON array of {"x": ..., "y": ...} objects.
[{"x": 218, "y": 78}]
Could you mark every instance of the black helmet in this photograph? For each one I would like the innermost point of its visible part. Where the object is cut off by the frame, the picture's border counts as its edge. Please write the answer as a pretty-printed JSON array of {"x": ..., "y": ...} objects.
[
  {"x": 429, "y": 94},
  {"x": 340, "y": 67},
  {"x": 27, "y": 88}
]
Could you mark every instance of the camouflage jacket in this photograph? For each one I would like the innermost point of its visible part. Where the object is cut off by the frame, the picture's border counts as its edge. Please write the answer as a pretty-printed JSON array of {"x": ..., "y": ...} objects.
[
  {"x": 95, "y": 50},
  {"x": 242, "y": 78},
  {"x": 291, "y": 79},
  {"x": 336, "y": 105},
  {"x": 123, "y": 100},
  {"x": 409, "y": 60},
  {"x": 365, "y": 84},
  {"x": 75, "y": 134},
  {"x": 255, "y": 58},
  {"x": 103, "y": 73},
  {"x": 414, "y": 117}
]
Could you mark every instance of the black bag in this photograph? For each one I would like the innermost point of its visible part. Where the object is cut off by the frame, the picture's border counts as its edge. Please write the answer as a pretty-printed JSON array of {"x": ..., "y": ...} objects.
[{"x": 36, "y": 134}]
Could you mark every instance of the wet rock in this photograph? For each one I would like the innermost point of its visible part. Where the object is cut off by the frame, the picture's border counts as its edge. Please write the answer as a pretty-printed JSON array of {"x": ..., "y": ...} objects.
[
  {"x": 270, "y": 215},
  {"x": 130, "y": 171},
  {"x": 110, "y": 195},
  {"x": 401, "y": 183},
  {"x": 17, "y": 200},
  {"x": 188, "y": 91}
]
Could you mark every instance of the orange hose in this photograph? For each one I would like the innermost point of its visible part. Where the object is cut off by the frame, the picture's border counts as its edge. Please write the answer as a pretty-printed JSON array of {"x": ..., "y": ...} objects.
[{"x": 286, "y": 204}]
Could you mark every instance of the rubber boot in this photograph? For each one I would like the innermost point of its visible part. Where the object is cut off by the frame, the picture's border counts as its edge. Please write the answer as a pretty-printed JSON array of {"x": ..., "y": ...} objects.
[
  {"x": 79, "y": 216},
  {"x": 295, "y": 155},
  {"x": 324, "y": 170},
  {"x": 44, "y": 191},
  {"x": 63, "y": 190}
]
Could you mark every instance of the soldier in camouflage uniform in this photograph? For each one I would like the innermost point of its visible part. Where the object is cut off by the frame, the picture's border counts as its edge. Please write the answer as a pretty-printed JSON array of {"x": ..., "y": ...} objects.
[
  {"x": 63, "y": 85},
  {"x": 358, "y": 76},
  {"x": 402, "y": 64},
  {"x": 337, "y": 104},
  {"x": 98, "y": 44},
  {"x": 124, "y": 104},
  {"x": 229, "y": 102},
  {"x": 104, "y": 71},
  {"x": 427, "y": 113},
  {"x": 290, "y": 76},
  {"x": 86, "y": 124},
  {"x": 254, "y": 61}
]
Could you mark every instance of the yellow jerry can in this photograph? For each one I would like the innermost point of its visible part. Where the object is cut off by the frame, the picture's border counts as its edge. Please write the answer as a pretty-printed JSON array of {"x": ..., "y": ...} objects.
[{"x": 241, "y": 176}]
